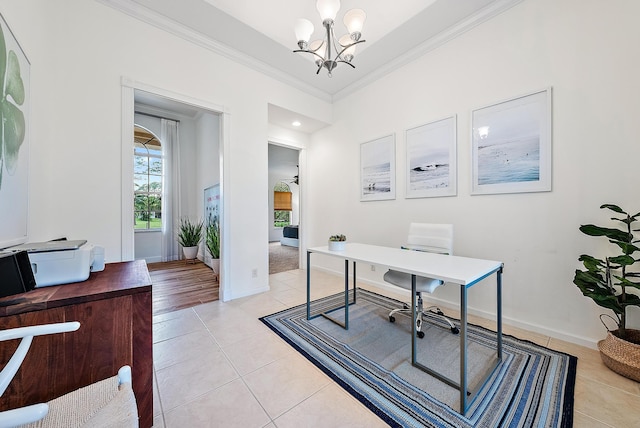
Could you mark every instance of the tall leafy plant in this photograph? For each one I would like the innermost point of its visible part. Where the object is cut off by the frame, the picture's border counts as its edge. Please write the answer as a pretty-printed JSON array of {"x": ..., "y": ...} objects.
[
  {"x": 189, "y": 233},
  {"x": 212, "y": 238},
  {"x": 608, "y": 281}
]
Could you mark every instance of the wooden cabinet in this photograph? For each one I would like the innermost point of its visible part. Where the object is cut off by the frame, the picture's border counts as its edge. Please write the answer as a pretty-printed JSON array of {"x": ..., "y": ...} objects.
[{"x": 115, "y": 315}]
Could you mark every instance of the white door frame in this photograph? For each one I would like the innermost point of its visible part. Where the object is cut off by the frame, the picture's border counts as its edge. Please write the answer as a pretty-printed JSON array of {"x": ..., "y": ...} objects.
[{"x": 129, "y": 86}]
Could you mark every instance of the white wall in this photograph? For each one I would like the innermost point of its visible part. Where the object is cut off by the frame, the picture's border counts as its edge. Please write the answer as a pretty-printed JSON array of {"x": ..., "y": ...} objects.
[
  {"x": 79, "y": 52},
  {"x": 587, "y": 51}
]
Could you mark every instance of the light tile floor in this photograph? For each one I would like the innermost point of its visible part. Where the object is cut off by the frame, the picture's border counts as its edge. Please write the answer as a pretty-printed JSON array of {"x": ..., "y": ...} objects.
[{"x": 217, "y": 365}]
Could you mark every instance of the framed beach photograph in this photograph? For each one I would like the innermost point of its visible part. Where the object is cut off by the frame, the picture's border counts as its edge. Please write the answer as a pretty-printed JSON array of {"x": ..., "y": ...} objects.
[
  {"x": 378, "y": 169},
  {"x": 511, "y": 145},
  {"x": 14, "y": 140},
  {"x": 431, "y": 159}
]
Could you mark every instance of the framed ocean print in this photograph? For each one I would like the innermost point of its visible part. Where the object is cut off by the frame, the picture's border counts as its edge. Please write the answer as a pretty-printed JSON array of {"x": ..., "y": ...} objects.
[
  {"x": 511, "y": 145},
  {"x": 431, "y": 159},
  {"x": 378, "y": 169},
  {"x": 14, "y": 140}
]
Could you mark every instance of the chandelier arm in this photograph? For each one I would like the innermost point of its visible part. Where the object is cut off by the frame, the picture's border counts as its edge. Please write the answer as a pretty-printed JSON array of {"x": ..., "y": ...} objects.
[
  {"x": 311, "y": 52},
  {"x": 345, "y": 62},
  {"x": 347, "y": 47}
]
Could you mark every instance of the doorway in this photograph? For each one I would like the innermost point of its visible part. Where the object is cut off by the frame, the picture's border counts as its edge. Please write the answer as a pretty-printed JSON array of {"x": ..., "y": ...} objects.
[
  {"x": 189, "y": 162},
  {"x": 136, "y": 92},
  {"x": 284, "y": 208}
]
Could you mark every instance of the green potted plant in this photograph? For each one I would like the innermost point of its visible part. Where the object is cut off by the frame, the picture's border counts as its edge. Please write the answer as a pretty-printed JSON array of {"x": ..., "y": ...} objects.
[
  {"x": 337, "y": 242},
  {"x": 608, "y": 282},
  {"x": 189, "y": 237},
  {"x": 212, "y": 242}
]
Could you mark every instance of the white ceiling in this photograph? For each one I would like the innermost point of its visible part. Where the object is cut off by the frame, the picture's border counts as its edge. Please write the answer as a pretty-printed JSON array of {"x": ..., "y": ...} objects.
[
  {"x": 284, "y": 13},
  {"x": 285, "y": 118},
  {"x": 283, "y": 163},
  {"x": 260, "y": 34}
]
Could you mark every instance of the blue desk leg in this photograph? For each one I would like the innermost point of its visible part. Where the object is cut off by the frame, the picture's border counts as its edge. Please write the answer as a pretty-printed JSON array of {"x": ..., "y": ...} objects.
[
  {"x": 346, "y": 294},
  {"x": 414, "y": 315},
  {"x": 463, "y": 349},
  {"x": 308, "y": 285},
  {"x": 499, "y": 313},
  {"x": 354, "y": 282}
]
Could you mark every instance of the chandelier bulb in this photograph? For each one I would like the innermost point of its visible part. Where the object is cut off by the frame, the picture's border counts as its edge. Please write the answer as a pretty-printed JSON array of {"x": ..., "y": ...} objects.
[{"x": 329, "y": 51}]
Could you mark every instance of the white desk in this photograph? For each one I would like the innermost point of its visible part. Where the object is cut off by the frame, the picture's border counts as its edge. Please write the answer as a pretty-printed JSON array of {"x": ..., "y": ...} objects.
[{"x": 463, "y": 271}]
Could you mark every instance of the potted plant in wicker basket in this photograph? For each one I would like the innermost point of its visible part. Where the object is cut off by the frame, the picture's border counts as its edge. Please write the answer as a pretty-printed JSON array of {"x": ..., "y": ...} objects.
[
  {"x": 608, "y": 282},
  {"x": 189, "y": 237}
]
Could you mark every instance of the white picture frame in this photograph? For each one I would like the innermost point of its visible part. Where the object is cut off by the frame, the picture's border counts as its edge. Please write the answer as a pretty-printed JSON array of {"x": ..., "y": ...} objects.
[
  {"x": 431, "y": 168},
  {"x": 14, "y": 154},
  {"x": 378, "y": 169},
  {"x": 511, "y": 145}
]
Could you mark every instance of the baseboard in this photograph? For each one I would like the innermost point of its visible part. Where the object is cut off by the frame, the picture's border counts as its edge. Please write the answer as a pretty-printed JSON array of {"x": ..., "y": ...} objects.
[
  {"x": 248, "y": 293},
  {"x": 535, "y": 328},
  {"x": 290, "y": 242}
]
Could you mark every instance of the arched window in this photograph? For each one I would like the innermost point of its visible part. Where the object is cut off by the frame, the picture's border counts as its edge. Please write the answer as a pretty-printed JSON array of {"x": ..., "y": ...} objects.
[
  {"x": 147, "y": 180},
  {"x": 281, "y": 205}
]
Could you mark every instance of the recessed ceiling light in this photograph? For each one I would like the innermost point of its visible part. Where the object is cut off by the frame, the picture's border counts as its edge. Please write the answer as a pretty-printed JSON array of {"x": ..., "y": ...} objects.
[{"x": 296, "y": 123}]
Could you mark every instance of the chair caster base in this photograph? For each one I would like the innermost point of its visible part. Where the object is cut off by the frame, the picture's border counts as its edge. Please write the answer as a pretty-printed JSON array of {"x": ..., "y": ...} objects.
[
  {"x": 420, "y": 334},
  {"x": 392, "y": 318},
  {"x": 455, "y": 330}
]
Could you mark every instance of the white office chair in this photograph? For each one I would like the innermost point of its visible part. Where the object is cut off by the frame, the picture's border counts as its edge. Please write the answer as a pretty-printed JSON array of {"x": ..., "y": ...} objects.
[
  {"x": 107, "y": 403},
  {"x": 433, "y": 238}
]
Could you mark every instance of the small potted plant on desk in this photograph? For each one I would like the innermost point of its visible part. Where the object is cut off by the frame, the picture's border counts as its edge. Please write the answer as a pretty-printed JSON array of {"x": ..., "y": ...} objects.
[
  {"x": 337, "y": 242},
  {"x": 189, "y": 237},
  {"x": 608, "y": 282},
  {"x": 212, "y": 242}
]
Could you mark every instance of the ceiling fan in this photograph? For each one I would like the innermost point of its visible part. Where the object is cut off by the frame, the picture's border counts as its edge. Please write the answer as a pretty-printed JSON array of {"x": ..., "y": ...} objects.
[{"x": 294, "y": 179}]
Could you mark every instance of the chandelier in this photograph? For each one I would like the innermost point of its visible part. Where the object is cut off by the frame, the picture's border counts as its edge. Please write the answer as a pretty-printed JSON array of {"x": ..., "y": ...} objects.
[{"x": 323, "y": 49}]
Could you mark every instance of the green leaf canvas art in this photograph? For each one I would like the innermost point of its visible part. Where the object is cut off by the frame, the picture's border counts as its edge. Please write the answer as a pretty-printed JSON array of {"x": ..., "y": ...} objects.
[
  {"x": 15, "y": 89},
  {"x": 13, "y": 120}
]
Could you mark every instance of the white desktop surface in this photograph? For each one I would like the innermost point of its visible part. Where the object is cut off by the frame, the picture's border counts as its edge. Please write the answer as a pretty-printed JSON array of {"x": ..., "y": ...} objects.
[
  {"x": 452, "y": 269},
  {"x": 464, "y": 271}
]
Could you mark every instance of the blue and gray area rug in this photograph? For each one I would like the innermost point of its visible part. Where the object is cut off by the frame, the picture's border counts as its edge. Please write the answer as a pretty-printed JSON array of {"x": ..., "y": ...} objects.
[{"x": 533, "y": 386}]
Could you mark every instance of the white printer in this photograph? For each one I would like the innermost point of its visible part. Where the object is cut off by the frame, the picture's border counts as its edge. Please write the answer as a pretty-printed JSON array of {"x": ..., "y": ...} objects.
[{"x": 62, "y": 262}]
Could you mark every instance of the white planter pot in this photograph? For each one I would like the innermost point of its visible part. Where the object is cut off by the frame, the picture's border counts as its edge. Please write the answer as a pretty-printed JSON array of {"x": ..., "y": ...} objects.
[
  {"x": 337, "y": 245},
  {"x": 190, "y": 253},
  {"x": 215, "y": 265}
]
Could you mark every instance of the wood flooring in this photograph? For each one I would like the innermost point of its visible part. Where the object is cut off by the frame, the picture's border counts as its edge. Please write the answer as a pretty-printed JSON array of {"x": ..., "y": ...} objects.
[{"x": 179, "y": 285}]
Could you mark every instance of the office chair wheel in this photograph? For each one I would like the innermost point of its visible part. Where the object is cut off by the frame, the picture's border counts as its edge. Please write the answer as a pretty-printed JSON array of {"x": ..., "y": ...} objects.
[
  {"x": 439, "y": 312},
  {"x": 392, "y": 318},
  {"x": 405, "y": 306},
  {"x": 420, "y": 334},
  {"x": 455, "y": 330}
]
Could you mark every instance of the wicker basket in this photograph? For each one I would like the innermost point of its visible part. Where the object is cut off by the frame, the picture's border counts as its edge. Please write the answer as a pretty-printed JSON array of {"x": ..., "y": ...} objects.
[{"x": 621, "y": 356}]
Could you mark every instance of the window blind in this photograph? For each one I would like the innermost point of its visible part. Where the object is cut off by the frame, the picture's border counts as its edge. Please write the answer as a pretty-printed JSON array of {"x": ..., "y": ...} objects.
[{"x": 282, "y": 201}]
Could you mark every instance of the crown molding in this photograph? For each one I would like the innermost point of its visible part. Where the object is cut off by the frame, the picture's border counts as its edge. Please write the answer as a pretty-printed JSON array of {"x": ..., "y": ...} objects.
[
  {"x": 162, "y": 22},
  {"x": 462, "y": 27},
  {"x": 148, "y": 16}
]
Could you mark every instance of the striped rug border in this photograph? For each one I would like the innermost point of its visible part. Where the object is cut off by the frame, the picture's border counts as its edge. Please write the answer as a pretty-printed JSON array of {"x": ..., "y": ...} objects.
[{"x": 422, "y": 409}]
